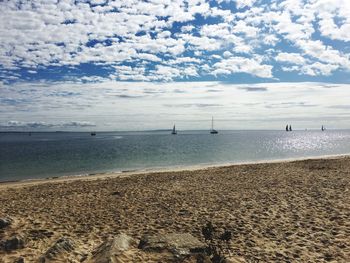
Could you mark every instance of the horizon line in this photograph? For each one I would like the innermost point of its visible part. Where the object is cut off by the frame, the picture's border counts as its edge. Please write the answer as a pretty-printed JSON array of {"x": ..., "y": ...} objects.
[{"x": 161, "y": 130}]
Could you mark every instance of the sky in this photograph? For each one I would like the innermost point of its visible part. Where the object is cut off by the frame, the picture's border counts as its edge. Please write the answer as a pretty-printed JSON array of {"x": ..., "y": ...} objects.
[{"x": 138, "y": 65}]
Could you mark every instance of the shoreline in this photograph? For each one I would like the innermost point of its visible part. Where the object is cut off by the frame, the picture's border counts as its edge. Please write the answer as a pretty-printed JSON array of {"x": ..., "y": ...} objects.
[
  {"x": 289, "y": 211},
  {"x": 131, "y": 172}
]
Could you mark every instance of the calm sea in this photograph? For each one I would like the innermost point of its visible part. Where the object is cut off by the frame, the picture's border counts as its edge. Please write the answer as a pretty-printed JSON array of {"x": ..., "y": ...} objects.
[{"x": 44, "y": 155}]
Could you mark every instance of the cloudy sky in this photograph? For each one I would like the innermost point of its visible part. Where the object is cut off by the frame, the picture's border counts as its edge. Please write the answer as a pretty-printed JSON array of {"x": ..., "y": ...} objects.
[{"x": 135, "y": 65}]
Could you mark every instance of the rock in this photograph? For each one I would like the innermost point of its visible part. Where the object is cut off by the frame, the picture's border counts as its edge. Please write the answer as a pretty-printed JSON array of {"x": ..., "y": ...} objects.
[
  {"x": 19, "y": 260},
  {"x": 184, "y": 212},
  {"x": 61, "y": 246},
  {"x": 180, "y": 245},
  {"x": 109, "y": 250},
  {"x": 5, "y": 222},
  {"x": 84, "y": 256},
  {"x": 116, "y": 193},
  {"x": 13, "y": 243}
]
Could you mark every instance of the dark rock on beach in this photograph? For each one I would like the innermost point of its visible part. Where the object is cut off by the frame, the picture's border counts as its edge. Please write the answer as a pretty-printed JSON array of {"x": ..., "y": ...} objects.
[
  {"x": 12, "y": 243},
  {"x": 62, "y": 246},
  {"x": 5, "y": 222}
]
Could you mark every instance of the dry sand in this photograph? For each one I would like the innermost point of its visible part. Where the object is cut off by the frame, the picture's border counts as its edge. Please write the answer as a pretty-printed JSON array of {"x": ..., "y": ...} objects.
[{"x": 278, "y": 212}]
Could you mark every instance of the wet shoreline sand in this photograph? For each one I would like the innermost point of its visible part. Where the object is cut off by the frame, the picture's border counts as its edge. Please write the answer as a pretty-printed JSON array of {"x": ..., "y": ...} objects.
[{"x": 294, "y": 211}]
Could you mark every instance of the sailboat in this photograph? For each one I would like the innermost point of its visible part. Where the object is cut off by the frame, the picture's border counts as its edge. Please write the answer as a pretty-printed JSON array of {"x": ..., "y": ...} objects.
[
  {"x": 323, "y": 128},
  {"x": 174, "y": 130},
  {"x": 290, "y": 127},
  {"x": 287, "y": 129},
  {"x": 213, "y": 131}
]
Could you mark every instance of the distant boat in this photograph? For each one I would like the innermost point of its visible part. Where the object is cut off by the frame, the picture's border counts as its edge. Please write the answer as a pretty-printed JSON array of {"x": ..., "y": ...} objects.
[
  {"x": 287, "y": 129},
  {"x": 93, "y": 134},
  {"x": 323, "y": 128},
  {"x": 213, "y": 131},
  {"x": 174, "y": 130},
  {"x": 290, "y": 127}
]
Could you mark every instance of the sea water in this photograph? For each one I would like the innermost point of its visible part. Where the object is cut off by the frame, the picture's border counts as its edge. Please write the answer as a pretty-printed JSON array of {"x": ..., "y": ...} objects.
[{"x": 51, "y": 154}]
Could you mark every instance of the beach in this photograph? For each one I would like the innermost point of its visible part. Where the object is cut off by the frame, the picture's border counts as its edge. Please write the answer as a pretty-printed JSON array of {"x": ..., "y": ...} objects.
[{"x": 295, "y": 211}]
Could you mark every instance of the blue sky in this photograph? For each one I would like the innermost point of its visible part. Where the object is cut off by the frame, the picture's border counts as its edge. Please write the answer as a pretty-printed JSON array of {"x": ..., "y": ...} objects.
[{"x": 49, "y": 49}]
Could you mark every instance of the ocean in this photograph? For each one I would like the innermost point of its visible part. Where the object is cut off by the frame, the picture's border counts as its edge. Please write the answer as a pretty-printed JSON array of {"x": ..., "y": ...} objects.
[{"x": 51, "y": 154}]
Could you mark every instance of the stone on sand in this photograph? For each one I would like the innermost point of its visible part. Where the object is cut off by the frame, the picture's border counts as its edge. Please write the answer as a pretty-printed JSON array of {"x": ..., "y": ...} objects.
[
  {"x": 180, "y": 245},
  {"x": 12, "y": 243},
  {"x": 109, "y": 250},
  {"x": 5, "y": 222},
  {"x": 61, "y": 247}
]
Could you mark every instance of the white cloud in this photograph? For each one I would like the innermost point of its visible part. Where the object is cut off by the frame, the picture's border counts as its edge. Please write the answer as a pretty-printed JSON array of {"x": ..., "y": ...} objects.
[
  {"x": 97, "y": 2},
  {"x": 270, "y": 40},
  {"x": 190, "y": 71},
  {"x": 226, "y": 15},
  {"x": 180, "y": 60},
  {"x": 291, "y": 68},
  {"x": 242, "y": 48},
  {"x": 332, "y": 31},
  {"x": 164, "y": 34},
  {"x": 227, "y": 54},
  {"x": 293, "y": 58},
  {"x": 218, "y": 30},
  {"x": 187, "y": 28},
  {"x": 290, "y": 30},
  {"x": 221, "y": 71},
  {"x": 166, "y": 72},
  {"x": 242, "y": 27},
  {"x": 202, "y": 43},
  {"x": 244, "y": 65},
  {"x": 319, "y": 69},
  {"x": 146, "y": 56},
  {"x": 202, "y": 8},
  {"x": 244, "y": 3},
  {"x": 325, "y": 54},
  {"x": 331, "y": 12}
]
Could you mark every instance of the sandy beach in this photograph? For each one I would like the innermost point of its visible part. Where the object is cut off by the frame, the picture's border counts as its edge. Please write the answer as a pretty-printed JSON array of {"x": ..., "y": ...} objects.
[{"x": 277, "y": 212}]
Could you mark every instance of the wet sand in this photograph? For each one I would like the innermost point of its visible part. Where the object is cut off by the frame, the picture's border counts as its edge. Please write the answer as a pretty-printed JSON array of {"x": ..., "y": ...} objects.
[{"x": 277, "y": 212}]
